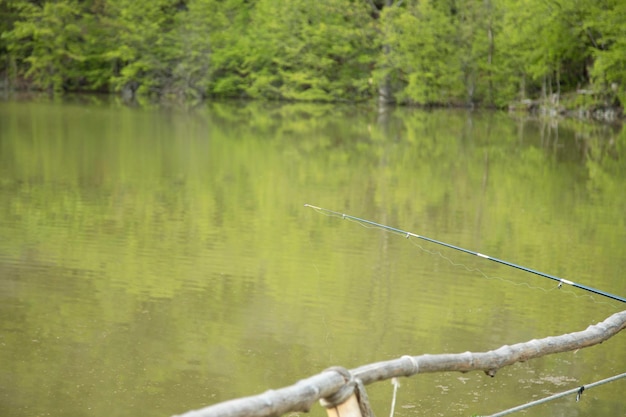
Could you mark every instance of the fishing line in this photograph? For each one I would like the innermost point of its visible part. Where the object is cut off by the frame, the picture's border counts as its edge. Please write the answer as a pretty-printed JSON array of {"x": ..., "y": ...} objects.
[
  {"x": 480, "y": 271},
  {"x": 408, "y": 235},
  {"x": 457, "y": 264},
  {"x": 508, "y": 281}
]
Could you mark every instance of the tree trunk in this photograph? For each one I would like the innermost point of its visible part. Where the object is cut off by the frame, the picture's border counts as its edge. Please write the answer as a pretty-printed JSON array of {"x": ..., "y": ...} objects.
[
  {"x": 385, "y": 93},
  {"x": 487, "y": 12}
]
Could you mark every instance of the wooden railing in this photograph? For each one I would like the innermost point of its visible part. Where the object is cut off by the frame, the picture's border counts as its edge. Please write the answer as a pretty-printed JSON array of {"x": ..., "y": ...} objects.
[{"x": 341, "y": 391}]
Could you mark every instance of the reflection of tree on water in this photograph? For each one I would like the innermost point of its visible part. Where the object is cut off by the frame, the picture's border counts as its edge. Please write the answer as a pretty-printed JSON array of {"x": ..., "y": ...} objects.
[{"x": 206, "y": 266}]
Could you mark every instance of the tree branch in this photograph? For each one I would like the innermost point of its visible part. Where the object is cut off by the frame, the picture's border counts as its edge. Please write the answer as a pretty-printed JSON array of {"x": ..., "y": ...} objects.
[
  {"x": 375, "y": 10},
  {"x": 300, "y": 396}
]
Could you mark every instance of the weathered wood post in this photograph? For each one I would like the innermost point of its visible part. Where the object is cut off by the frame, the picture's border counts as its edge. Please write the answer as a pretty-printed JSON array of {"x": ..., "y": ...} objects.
[
  {"x": 349, "y": 408},
  {"x": 350, "y": 400}
]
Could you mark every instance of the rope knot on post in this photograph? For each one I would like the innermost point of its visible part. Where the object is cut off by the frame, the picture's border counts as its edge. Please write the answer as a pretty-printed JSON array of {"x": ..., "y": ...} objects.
[
  {"x": 340, "y": 396},
  {"x": 350, "y": 400},
  {"x": 414, "y": 364}
]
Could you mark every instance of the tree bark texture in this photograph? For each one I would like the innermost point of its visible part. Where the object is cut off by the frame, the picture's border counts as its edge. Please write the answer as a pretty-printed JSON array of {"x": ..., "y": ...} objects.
[{"x": 302, "y": 395}]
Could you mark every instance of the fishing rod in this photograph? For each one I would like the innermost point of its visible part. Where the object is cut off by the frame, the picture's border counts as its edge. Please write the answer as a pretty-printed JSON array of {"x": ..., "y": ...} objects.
[{"x": 561, "y": 281}]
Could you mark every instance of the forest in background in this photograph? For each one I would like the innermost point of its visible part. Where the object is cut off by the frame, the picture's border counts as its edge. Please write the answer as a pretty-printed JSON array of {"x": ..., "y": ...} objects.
[{"x": 415, "y": 52}]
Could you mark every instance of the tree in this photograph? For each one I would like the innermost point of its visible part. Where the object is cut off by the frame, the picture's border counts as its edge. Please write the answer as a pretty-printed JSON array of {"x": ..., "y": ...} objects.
[
  {"x": 422, "y": 54},
  {"x": 304, "y": 50},
  {"x": 142, "y": 52},
  {"x": 546, "y": 45},
  {"x": 209, "y": 38},
  {"x": 426, "y": 52},
  {"x": 384, "y": 73},
  {"x": 607, "y": 32},
  {"x": 48, "y": 40},
  {"x": 8, "y": 17},
  {"x": 476, "y": 23}
]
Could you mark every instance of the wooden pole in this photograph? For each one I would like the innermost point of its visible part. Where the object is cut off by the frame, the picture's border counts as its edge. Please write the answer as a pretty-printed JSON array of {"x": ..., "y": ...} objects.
[
  {"x": 300, "y": 396},
  {"x": 349, "y": 408}
]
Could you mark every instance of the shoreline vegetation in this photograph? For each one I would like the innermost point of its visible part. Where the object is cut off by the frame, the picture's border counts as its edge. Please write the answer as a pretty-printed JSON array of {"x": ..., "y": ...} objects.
[{"x": 548, "y": 57}]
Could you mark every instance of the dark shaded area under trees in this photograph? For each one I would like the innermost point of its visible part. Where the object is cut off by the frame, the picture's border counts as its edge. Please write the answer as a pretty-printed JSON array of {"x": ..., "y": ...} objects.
[{"x": 416, "y": 52}]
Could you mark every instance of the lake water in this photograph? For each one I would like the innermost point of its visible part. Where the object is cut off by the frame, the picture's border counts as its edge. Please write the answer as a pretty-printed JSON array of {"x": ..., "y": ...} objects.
[{"x": 157, "y": 260}]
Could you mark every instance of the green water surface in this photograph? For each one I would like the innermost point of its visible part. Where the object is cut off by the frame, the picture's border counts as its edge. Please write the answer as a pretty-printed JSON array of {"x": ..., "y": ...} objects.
[{"x": 157, "y": 260}]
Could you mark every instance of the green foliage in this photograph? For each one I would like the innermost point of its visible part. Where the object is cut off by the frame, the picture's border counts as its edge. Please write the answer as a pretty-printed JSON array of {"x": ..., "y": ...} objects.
[
  {"x": 209, "y": 48},
  {"x": 142, "y": 48},
  {"x": 314, "y": 51},
  {"x": 8, "y": 16},
  {"x": 607, "y": 30},
  {"x": 48, "y": 40},
  {"x": 477, "y": 23},
  {"x": 547, "y": 45},
  {"x": 423, "y": 52}
]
